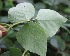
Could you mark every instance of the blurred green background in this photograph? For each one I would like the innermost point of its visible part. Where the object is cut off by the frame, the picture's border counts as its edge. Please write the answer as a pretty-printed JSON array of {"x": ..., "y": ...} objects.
[{"x": 58, "y": 45}]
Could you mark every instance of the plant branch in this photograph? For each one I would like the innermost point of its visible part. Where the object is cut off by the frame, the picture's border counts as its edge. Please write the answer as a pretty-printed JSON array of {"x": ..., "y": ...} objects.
[
  {"x": 13, "y": 25},
  {"x": 24, "y": 52},
  {"x": 4, "y": 24},
  {"x": 17, "y": 24}
]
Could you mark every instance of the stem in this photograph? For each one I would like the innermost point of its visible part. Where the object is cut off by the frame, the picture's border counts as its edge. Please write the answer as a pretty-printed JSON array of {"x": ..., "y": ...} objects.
[
  {"x": 13, "y": 25},
  {"x": 24, "y": 52},
  {"x": 4, "y": 24},
  {"x": 66, "y": 29},
  {"x": 17, "y": 24}
]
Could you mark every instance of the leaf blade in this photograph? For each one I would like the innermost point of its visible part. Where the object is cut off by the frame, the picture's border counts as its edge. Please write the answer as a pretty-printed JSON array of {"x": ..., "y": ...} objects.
[
  {"x": 50, "y": 20},
  {"x": 33, "y": 39},
  {"x": 22, "y": 12}
]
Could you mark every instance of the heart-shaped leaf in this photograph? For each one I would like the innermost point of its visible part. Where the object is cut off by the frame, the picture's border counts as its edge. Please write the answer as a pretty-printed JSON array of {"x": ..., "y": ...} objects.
[
  {"x": 22, "y": 12},
  {"x": 33, "y": 38},
  {"x": 50, "y": 20}
]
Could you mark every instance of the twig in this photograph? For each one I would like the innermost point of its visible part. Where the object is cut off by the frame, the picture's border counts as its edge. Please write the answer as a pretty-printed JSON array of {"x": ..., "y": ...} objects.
[{"x": 24, "y": 52}]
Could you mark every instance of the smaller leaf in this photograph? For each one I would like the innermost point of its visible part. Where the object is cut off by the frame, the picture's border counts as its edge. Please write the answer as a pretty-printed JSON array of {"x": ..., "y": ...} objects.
[
  {"x": 0, "y": 5},
  {"x": 65, "y": 54},
  {"x": 15, "y": 52},
  {"x": 18, "y": 45},
  {"x": 20, "y": 1},
  {"x": 56, "y": 2},
  {"x": 11, "y": 34},
  {"x": 40, "y": 5},
  {"x": 22, "y": 12},
  {"x": 7, "y": 42},
  {"x": 6, "y": 54},
  {"x": 66, "y": 37},
  {"x": 67, "y": 10},
  {"x": 57, "y": 42}
]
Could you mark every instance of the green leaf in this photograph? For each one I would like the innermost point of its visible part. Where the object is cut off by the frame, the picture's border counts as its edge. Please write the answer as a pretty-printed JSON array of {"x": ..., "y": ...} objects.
[
  {"x": 18, "y": 45},
  {"x": 66, "y": 37},
  {"x": 65, "y": 54},
  {"x": 50, "y": 20},
  {"x": 39, "y": 6},
  {"x": 0, "y": 5},
  {"x": 11, "y": 34},
  {"x": 58, "y": 43},
  {"x": 5, "y": 54},
  {"x": 20, "y": 1},
  {"x": 56, "y": 2},
  {"x": 22, "y": 12},
  {"x": 7, "y": 42},
  {"x": 33, "y": 38},
  {"x": 67, "y": 10},
  {"x": 15, "y": 52}
]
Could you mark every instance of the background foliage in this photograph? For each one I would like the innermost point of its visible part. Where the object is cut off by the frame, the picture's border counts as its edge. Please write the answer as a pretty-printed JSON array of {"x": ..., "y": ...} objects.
[{"x": 59, "y": 45}]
